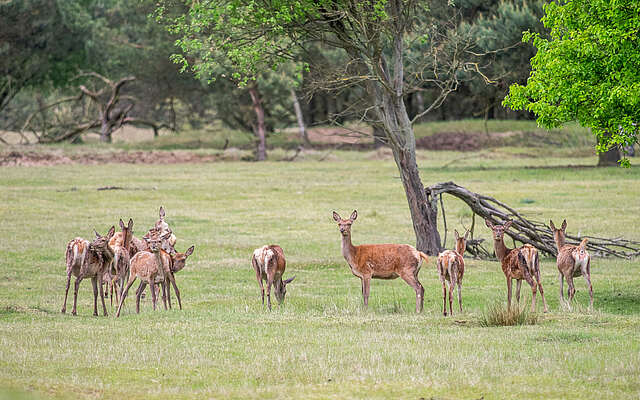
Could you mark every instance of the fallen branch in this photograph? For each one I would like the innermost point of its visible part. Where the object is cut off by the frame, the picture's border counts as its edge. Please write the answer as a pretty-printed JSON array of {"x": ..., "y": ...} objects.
[{"x": 523, "y": 230}]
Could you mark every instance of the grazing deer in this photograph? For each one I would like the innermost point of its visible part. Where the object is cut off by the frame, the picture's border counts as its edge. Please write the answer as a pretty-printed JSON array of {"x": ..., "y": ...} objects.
[
  {"x": 519, "y": 263},
  {"x": 451, "y": 268},
  {"x": 269, "y": 264},
  {"x": 381, "y": 261},
  {"x": 572, "y": 261},
  {"x": 88, "y": 260}
]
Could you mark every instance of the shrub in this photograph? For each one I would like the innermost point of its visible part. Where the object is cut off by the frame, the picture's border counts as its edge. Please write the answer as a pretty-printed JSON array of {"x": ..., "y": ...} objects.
[{"x": 499, "y": 315}]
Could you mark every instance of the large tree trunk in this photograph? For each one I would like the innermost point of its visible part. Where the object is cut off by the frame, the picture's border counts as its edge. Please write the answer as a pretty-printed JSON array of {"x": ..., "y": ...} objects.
[
  {"x": 609, "y": 158},
  {"x": 260, "y": 129},
  {"x": 105, "y": 130}
]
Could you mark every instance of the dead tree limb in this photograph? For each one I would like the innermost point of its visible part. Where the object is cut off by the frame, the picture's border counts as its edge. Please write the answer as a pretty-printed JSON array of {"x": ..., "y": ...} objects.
[{"x": 533, "y": 232}]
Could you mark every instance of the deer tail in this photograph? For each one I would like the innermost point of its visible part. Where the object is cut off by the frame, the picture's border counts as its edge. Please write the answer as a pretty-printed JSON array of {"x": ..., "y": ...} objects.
[{"x": 583, "y": 244}]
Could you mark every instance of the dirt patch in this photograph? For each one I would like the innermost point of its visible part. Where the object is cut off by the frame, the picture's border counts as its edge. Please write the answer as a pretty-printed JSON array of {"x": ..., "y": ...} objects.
[
  {"x": 37, "y": 158},
  {"x": 458, "y": 141}
]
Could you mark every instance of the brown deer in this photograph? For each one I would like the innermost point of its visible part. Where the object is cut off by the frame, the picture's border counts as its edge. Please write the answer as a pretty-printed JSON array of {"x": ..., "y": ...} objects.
[
  {"x": 86, "y": 259},
  {"x": 162, "y": 226},
  {"x": 121, "y": 247},
  {"x": 269, "y": 264},
  {"x": 572, "y": 261},
  {"x": 178, "y": 261},
  {"x": 151, "y": 267},
  {"x": 451, "y": 269},
  {"x": 381, "y": 261},
  {"x": 519, "y": 263}
]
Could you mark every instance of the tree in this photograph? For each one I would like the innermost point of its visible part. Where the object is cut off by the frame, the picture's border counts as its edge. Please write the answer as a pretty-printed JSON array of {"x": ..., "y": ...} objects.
[
  {"x": 588, "y": 71},
  {"x": 374, "y": 35}
]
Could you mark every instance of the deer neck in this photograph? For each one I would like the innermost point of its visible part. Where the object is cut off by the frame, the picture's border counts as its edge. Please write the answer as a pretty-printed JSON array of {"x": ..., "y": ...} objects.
[
  {"x": 559, "y": 239},
  {"x": 159, "y": 264},
  {"x": 460, "y": 249},
  {"x": 348, "y": 249},
  {"x": 500, "y": 248}
]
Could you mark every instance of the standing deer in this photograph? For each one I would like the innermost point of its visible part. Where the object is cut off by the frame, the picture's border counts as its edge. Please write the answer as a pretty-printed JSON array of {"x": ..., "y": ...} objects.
[
  {"x": 572, "y": 261},
  {"x": 381, "y": 261},
  {"x": 451, "y": 268},
  {"x": 88, "y": 260},
  {"x": 151, "y": 267},
  {"x": 519, "y": 263},
  {"x": 269, "y": 264},
  {"x": 120, "y": 245},
  {"x": 178, "y": 261},
  {"x": 162, "y": 226}
]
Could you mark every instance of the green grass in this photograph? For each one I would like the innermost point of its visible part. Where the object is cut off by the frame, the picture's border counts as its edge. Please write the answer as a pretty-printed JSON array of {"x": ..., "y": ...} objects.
[{"x": 321, "y": 343}]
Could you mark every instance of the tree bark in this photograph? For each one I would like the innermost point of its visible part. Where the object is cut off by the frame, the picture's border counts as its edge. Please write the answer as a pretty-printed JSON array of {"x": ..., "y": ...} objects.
[
  {"x": 105, "y": 130},
  {"x": 260, "y": 129},
  {"x": 609, "y": 158}
]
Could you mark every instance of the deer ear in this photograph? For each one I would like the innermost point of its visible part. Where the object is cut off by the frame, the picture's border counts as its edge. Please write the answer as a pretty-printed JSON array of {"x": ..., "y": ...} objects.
[
  {"x": 336, "y": 216},
  {"x": 130, "y": 224},
  {"x": 552, "y": 225},
  {"x": 189, "y": 251},
  {"x": 457, "y": 234},
  {"x": 121, "y": 224},
  {"x": 97, "y": 234},
  {"x": 288, "y": 281},
  {"x": 488, "y": 224},
  {"x": 564, "y": 225},
  {"x": 354, "y": 215},
  {"x": 466, "y": 234},
  {"x": 161, "y": 213},
  {"x": 111, "y": 232},
  {"x": 507, "y": 225}
]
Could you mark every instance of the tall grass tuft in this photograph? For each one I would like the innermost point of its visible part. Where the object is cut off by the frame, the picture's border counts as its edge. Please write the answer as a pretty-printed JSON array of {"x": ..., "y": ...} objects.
[{"x": 499, "y": 314}]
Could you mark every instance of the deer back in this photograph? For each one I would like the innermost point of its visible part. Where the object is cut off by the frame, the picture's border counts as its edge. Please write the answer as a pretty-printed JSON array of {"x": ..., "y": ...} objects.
[
  {"x": 384, "y": 260},
  {"x": 450, "y": 259},
  {"x": 144, "y": 265}
]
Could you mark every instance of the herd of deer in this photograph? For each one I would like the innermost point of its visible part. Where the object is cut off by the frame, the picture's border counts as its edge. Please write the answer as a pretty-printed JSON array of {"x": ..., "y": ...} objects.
[
  {"x": 117, "y": 259},
  {"x": 109, "y": 259}
]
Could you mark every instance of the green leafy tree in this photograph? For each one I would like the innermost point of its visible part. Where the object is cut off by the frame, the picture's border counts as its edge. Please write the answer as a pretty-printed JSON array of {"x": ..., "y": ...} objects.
[
  {"x": 374, "y": 37},
  {"x": 587, "y": 71}
]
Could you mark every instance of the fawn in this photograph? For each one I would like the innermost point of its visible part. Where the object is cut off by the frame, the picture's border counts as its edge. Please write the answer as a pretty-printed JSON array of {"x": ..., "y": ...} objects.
[
  {"x": 269, "y": 264},
  {"x": 86, "y": 259},
  {"x": 519, "y": 263},
  {"x": 121, "y": 248},
  {"x": 381, "y": 261},
  {"x": 451, "y": 268},
  {"x": 572, "y": 261}
]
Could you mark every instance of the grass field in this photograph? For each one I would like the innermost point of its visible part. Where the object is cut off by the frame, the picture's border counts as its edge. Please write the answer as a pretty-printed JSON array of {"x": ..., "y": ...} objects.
[{"x": 321, "y": 343}]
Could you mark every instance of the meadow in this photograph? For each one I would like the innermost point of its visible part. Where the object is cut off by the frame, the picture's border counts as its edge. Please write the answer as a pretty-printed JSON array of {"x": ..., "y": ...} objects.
[{"x": 321, "y": 343}]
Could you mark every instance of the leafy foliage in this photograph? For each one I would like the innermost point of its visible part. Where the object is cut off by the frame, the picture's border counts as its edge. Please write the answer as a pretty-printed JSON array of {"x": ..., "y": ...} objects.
[{"x": 588, "y": 70}]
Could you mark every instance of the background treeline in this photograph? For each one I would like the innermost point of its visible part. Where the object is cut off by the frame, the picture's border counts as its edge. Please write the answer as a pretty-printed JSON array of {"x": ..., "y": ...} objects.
[{"x": 60, "y": 61}]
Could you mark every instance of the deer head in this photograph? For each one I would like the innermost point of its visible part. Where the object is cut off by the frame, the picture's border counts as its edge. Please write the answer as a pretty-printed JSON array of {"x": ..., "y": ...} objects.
[
  {"x": 345, "y": 224},
  {"x": 179, "y": 259},
  {"x": 102, "y": 242},
  {"x": 461, "y": 242},
  {"x": 127, "y": 232},
  {"x": 161, "y": 224},
  {"x": 498, "y": 230},
  {"x": 280, "y": 287},
  {"x": 559, "y": 234},
  {"x": 154, "y": 240}
]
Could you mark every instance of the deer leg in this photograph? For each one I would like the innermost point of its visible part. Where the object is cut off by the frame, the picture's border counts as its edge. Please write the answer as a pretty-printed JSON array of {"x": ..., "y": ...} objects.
[
  {"x": 164, "y": 293},
  {"x": 509, "y": 292},
  {"x": 412, "y": 280},
  {"x": 139, "y": 292},
  {"x": 169, "y": 294},
  {"x": 451, "y": 285},
  {"x": 124, "y": 295},
  {"x": 572, "y": 290},
  {"x": 94, "y": 283},
  {"x": 66, "y": 292},
  {"x": 444, "y": 295},
  {"x": 75, "y": 295},
  {"x": 366, "y": 287},
  {"x": 172, "y": 278},
  {"x": 152, "y": 287},
  {"x": 104, "y": 306},
  {"x": 518, "y": 284},
  {"x": 460, "y": 295},
  {"x": 561, "y": 278}
]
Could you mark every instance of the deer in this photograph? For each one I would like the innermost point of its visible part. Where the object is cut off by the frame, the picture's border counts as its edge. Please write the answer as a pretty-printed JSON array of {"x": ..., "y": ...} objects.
[
  {"x": 178, "y": 262},
  {"x": 153, "y": 268},
  {"x": 162, "y": 226},
  {"x": 120, "y": 245},
  {"x": 572, "y": 262},
  {"x": 86, "y": 259},
  {"x": 451, "y": 269},
  {"x": 519, "y": 263},
  {"x": 269, "y": 264},
  {"x": 381, "y": 261}
]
